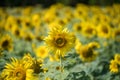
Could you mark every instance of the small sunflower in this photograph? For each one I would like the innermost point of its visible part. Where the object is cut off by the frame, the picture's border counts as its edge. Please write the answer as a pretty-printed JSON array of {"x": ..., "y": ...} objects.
[
  {"x": 104, "y": 30},
  {"x": 6, "y": 43},
  {"x": 36, "y": 20},
  {"x": 89, "y": 30},
  {"x": 16, "y": 31},
  {"x": 27, "y": 35},
  {"x": 60, "y": 40},
  {"x": 78, "y": 27},
  {"x": 41, "y": 52},
  {"x": 117, "y": 58},
  {"x": 87, "y": 52},
  {"x": 116, "y": 34},
  {"x": 113, "y": 66}
]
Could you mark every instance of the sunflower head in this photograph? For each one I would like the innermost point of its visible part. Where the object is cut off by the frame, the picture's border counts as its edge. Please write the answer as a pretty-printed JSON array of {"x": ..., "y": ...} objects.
[
  {"x": 41, "y": 52},
  {"x": 116, "y": 34},
  {"x": 117, "y": 58},
  {"x": 15, "y": 70},
  {"x": 104, "y": 30},
  {"x": 113, "y": 66},
  {"x": 87, "y": 53},
  {"x": 60, "y": 39},
  {"x": 6, "y": 43}
]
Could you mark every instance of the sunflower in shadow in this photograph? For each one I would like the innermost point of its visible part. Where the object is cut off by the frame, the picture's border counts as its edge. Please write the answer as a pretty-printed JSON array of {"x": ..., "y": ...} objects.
[
  {"x": 87, "y": 52},
  {"x": 6, "y": 43}
]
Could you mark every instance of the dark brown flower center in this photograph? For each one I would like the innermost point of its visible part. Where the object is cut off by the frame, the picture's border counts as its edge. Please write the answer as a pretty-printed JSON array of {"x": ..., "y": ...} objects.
[
  {"x": 79, "y": 28},
  {"x": 20, "y": 73},
  {"x": 5, "y": 43},
  {"x": 105, "y": 30},
  {"x": 60, "y": 42},
  {"x": 89, "y": 30},
  {"x": 117, "y": 33},
  {"x": 17, "y": 32},
  {"x": 88, "y": 53}
]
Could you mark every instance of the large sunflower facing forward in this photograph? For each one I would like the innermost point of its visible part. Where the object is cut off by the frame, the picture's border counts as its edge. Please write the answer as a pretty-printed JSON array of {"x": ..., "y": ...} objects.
[{"x": 60, "y": 40}]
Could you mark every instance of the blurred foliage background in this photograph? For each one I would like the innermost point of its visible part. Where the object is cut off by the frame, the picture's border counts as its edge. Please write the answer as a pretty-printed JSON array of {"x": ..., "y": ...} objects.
[{"x": 47, "y": 3}]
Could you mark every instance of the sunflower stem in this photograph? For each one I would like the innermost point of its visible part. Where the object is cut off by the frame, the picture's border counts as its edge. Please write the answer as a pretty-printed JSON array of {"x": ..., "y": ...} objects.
[{"x": 60, "y": 64}]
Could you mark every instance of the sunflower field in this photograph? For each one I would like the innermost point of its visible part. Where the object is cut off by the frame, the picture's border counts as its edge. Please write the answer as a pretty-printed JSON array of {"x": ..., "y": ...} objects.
[{"x": 60, "y": 42}]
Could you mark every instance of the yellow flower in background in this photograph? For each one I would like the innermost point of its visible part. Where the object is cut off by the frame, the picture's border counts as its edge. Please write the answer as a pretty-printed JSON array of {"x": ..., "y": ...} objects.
[
  {"x": 6, "y": 43},
  {"x": 87, "y": 52},
  {"x": 113, "y": 66},
  {"x": 10, "y": 23},
  {"x": 15, "y": 70},
  {"x": 16, "y": 31},
  {"x": 89, "y": 30},
  {"x": 41, "y": 52},
  {"x": 117, "y": 58},
  {"x": 26, "y": 23},
  {"x": 60, "y": 40},
  {"x": 81, "y": 12},
  {"x": 27, "y": 35},
  {"x": 49, "y": 16},
  {"x": 27, "y": 10},
  {"x": 62, "y": 21},
  {"x": 36, "y": 20},
  {"x": 104, "y": 30},
  {"x": 104, "y": 18},
  {"x": 116, "y": 34},
  {"x": 78, "y": 27}
]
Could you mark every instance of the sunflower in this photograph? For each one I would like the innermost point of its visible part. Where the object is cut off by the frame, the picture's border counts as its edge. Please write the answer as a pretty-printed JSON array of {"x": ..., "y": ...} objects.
[
  {"x": 41, "y": 52},
  {"x": 87, "y": 52},
  {"x": 37, "y": 66},
  {"x": 104, "y": 30},
  {"x": 15, "y": 70},
  {"x": 117, "y": 58},
  {"x": 113, "y": 66},
  {"x": 27, "y": 35},
  {"x": 78, "y": 27},
  {"x": 60, "y": 40},
  {"x": 36, "y": 20},
  {"x": 10, "y": 23},
  {"x": 6, "y": 43},
  {"x": 16, "y": 31},
  {"x": 116, "y": 34},
  {"x": 89, "y": 30},
  {"x": 26, "y": 23}
]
